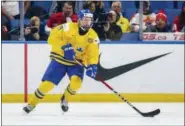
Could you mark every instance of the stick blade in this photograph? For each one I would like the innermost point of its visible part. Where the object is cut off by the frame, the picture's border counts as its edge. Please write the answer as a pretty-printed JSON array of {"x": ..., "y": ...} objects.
[{"x": 152, "y": 113}]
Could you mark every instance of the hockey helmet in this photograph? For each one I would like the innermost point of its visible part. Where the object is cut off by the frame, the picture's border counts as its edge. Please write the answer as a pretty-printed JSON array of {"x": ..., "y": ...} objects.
[{"x": 85, "y": 19}]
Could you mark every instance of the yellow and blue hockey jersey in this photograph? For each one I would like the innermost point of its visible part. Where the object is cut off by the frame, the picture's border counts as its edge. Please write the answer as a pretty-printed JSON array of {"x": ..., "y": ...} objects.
[{"x": 86, "y": 46}]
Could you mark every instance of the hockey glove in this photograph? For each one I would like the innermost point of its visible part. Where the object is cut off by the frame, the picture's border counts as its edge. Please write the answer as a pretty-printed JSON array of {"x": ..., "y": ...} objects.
[
  {"x": 69, "y": 53},
  {"x": 91, "y": 71}
]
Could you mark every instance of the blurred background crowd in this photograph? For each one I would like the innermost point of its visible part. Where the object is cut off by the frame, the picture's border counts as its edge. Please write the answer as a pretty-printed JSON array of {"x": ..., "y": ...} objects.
[{"x": 113, "y": 20}]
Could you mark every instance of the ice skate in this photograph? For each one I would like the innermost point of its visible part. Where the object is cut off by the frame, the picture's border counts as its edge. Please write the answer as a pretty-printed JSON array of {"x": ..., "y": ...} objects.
[
  {"x": 28, "y": 108},
  {"x": 64, "y": 104}
]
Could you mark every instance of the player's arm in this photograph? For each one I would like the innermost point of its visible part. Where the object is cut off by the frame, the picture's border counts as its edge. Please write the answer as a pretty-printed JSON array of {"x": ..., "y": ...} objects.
[
  {"x": 58, "y": 42},
  {"x": 92, "y": 54},
  {"x": 56, "y": 36}
]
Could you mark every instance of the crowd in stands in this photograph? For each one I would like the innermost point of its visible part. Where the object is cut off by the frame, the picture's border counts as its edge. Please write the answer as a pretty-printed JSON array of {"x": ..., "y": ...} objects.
[{"x": 112, "y": 19}]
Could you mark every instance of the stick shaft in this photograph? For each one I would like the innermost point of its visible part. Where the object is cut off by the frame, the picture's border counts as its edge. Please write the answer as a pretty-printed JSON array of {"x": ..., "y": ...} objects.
[
  {"x": 108, "y": 86},
  {"x": 115, "y": 92}
]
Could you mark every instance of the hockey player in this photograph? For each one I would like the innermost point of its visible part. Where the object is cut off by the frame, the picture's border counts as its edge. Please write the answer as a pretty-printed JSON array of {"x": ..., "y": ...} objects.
[{"x": 69, "y": 41}]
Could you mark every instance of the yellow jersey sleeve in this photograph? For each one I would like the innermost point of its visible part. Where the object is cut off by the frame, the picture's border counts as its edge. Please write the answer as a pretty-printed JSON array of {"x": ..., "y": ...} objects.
[
  {"x": 56, "y": 36},
  {"x": 92, "y": 51}
]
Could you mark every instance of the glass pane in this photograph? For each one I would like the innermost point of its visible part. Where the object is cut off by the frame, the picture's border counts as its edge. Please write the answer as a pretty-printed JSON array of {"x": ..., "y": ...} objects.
[
  {"x": 10, "y": 29},
  {"x": 161, "y": 19},
  {"x": 113, "y": 20}
]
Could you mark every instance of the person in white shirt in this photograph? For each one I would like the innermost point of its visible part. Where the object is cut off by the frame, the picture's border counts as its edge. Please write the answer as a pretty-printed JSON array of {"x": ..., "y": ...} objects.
[
  {"x": 10, "y": 9},
  {"x": 148, "y": 18}
]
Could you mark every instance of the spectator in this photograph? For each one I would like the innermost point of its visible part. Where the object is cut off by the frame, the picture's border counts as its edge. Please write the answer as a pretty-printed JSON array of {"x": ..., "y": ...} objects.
[
  {"x": 57, "y": 6},
  {"x": 32, "y": 31},
  {"x": 161, "y": 23},
  {"x": 36, "y": 10},
  {"x": 91, "y": 5},
  {"x": 99, "y": 9},
  {"x": 96, "y": 7},
  {"x": 112, "y": 30},
  {"x": 122, "y": 21},
  {"x": 79, "y": 5},
  {"x": 116, "y": 6},
  {"x": 27, "y": 5},
  {"x": 179, "y": 21},
  {"x": 10, "y": 10},
  {"x": 108, "y": 29},
  {"x": 148, "y": 18},
  {"x": 60, "y": 4},
  {"x": 58, "y": 18}
]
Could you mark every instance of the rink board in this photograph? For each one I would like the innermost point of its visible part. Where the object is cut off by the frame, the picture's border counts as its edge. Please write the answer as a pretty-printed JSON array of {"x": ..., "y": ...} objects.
[
  {"x": 14, "y": 98},
  {"x": 161, "y": 80}
]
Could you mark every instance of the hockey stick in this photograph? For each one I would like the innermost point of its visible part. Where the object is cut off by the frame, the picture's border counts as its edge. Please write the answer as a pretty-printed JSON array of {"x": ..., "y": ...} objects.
[{"x": 144, "y": 114}]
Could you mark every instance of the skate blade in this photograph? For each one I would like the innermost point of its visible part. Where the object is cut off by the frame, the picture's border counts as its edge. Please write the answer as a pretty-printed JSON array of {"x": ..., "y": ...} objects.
[
  {"x": 63, "y": 113},
  {"x": 24, "y": 113}
]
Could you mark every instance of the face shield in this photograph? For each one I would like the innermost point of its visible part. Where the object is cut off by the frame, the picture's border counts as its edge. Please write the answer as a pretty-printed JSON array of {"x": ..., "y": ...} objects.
[{"x": 86, "y": 21}]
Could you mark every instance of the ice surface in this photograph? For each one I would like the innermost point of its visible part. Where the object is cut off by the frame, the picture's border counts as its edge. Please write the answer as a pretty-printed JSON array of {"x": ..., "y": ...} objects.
[{"x": 93, "y": 114}]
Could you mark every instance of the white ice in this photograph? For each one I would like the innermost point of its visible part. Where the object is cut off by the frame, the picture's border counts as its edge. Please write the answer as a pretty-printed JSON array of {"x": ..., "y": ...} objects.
[{"x": 93, "y": 114}]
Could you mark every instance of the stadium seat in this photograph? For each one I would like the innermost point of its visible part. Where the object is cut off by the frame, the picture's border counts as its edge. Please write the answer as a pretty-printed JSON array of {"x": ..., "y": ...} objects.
[
  {"x": 179, "y": 4},
  {"x": 157, "y": 5},
  {"x": 42, "y": 26},
  {"x": 107, "y": 5},
  {"x": 16, "y": 23},
  {"x": 127, "y": 5},
  {"x": 44, "y": 4},
  {"x": 129, "y": 12},
  {"x": 130, "y": 36},
  {"x": 171, "y": 14},
  {"x": 26, "y": 21}
]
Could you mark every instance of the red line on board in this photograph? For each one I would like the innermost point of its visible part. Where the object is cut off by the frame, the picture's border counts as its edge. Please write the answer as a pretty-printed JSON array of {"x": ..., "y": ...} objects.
[{"x": 25, "y": 72}]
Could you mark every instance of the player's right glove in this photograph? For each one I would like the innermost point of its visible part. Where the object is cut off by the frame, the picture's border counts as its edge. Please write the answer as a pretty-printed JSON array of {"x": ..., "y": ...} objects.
[
  {"x": 91, "y": 71},
  {"x": 69, "y": 53}
]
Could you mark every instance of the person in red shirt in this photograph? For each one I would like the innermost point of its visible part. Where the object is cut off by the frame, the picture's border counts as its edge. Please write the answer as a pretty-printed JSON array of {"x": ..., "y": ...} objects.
[
  {"x": 67, "y": 15},
  {"x": 179, "y": 21},
  {"x": 161, "y": 23}
]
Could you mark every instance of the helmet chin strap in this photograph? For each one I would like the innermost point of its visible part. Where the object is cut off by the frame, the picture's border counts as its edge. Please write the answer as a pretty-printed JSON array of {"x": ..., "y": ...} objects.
[
  {"x": 82, "y": 31},
  {"x": 85, "y": 28},
  {"x": 82, "y": 28}
]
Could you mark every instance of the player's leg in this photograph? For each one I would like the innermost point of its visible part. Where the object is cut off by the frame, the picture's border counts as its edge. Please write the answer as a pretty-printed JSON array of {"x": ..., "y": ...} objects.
[
  {"x": 54, "y": 73},
  {"x": 75, "y": 74},
  {"x": 72, "y": 88}
]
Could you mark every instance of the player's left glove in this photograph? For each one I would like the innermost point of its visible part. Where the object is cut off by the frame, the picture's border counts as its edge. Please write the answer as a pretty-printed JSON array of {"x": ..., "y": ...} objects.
[
  {"x": 91, "y": 71},
  {"x": 69, "y": 53}
]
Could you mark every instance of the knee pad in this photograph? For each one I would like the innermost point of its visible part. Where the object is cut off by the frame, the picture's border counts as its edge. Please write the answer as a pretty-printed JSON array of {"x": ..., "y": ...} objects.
[{"x": 75, "y": 83}]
